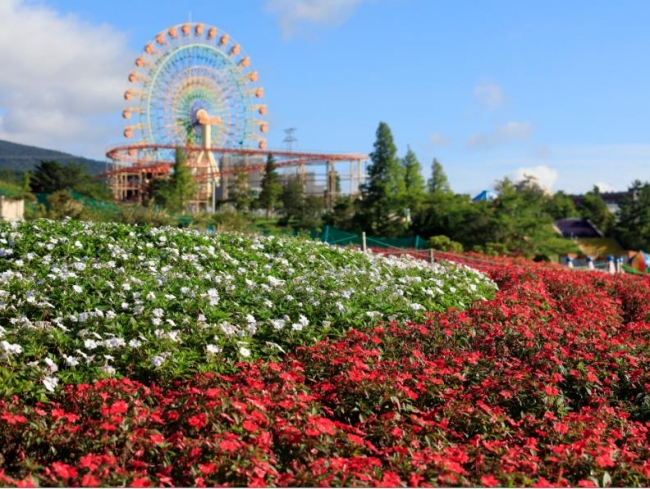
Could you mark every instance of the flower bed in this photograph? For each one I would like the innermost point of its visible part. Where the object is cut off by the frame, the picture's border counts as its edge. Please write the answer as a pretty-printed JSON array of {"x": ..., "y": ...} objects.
[
  {"x": 547, "y": 384},
  {"x": 80, "y": 302}
]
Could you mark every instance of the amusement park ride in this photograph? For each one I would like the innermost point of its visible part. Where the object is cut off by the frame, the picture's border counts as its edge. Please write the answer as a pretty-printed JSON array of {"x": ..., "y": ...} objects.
[{"x": 193, "y": 87}]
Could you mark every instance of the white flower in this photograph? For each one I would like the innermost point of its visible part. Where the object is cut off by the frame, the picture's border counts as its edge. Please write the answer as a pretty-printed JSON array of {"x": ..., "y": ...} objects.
[
  {"x": 78, "y": 244},
  {"x": 278, "y": 323},
  {"x": 126, "y": 286},
  {"x": 151, "y": 296},
  {"x": 303, "y": 320},
  {"x": 90, "y": 344},
  {"x": 213, "y": 297},
  {"x": 297, "y": 326},
  {"x": 50, "y": 383},
  {"x": 10, "y": 348},
  {"x": 158, "y": 360},
  {"x": 275, "y": 345},
  {"x": 156, "y": 321},
  {"x": 213, "y": 349},
  {"x": 158, "y": 313},
  {"x": 107, "y": 369},
  {"x": 51, "y": 365},
  {"x": 114, "y": 343},
  {"x": 135, "y": 343},
  {"x": 244, "y": 352},
  {"x": 228, "y": 328},
  {"x": 71, "y": 361},
  {"x": 77, "y": 289}
]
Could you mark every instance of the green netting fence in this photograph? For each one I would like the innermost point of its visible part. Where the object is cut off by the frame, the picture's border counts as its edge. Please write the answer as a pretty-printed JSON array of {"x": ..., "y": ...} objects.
[{"x": 336, "y": 236}]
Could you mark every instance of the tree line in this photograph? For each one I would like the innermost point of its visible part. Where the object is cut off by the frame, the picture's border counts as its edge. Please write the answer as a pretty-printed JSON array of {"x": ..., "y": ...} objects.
[{"x": 395, "y": 201}]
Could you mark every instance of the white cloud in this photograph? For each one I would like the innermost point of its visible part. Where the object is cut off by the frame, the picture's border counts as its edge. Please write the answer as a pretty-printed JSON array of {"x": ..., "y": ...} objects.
[
  {"x": 294, "y": 13},
  {"x": 60, "y": 80},
  {"x": 514, "y": 131},
  {"x": 546, "y": 176},
  {"x": 439, "y": 140},
  {"x": 489, "y": 95},
  {"x": 510, "y": 131}
]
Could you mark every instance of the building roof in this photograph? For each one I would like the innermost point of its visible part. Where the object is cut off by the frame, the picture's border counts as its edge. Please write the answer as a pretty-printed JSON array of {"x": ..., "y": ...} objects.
[
  {"x": 599, "y": 247},
  {"x": 575, "y": 227},
  {"x": 485, "y": 195}
]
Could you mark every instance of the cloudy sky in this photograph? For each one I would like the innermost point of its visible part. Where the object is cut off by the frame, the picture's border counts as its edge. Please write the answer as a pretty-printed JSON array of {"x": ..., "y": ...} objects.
[{"x": 492, "y": 88}]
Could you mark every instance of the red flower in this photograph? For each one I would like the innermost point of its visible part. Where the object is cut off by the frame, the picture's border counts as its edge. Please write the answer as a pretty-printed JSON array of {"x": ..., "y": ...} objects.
[
  {"x": 207, "y": 469},
  {"x": 550, "y": 390},
  {"x": 489, "y": 481},
  {"x": 586, "y": 483},
  {"x": 249, "y": 426},
  {"x": 64, "y": 471},
  {"x": 107, "y": 426},
  {"x": 157, "y": 438},
  {"x": 390, "y": 479},
  {"x": 90, "y": 481},
  {"x": 26, "y": 482},
  {"x": 198, "y": 421},
  {"x": 355, "y": 439},
  {"x": 229, "y": 445},
  {"x": 13, "y": 418},
  {"x": 605, "y": 461},
  {"x": 141, "y": 482},
  {"x": 90, "y": 462},
  {"x": 119, "y": 407}
]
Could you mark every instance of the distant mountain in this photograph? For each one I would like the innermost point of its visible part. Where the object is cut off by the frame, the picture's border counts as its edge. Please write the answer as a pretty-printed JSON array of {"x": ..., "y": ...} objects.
[{"x": 14, "y": 156}]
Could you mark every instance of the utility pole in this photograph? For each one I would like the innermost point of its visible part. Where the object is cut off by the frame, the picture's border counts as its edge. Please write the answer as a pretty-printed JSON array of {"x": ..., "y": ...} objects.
[{"x": 289, "y": 139}]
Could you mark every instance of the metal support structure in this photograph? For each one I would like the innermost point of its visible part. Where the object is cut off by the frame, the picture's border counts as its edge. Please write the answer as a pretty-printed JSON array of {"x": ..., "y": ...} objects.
[
  {"x": 135, "y": 166},
  {"x": 364, "y": 248}
]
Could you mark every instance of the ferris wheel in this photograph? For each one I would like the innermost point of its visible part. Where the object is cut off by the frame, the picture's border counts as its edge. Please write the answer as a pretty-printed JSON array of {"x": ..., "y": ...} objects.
[{"x": 194, "y": 86}]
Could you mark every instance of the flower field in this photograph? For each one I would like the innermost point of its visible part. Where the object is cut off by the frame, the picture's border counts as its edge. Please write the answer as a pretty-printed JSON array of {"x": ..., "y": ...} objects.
[{"x": 545, "y": 383}]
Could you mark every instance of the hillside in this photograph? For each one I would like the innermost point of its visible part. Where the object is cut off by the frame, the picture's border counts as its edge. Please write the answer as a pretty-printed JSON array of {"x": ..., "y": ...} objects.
[{"x": 14, "y": 156}]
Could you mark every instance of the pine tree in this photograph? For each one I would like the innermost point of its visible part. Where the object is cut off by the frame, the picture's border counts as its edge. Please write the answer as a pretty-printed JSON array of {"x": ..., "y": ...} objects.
[
  {"x": 293, "y": 200},
  {"x": 381, "y": 207},
  {"x": 239, "y": 190},
  {"x": 182, "y": 183},
  {"x": 271, "y": 186},
  {"x": 413, "y": 181},
  {"x": 633, "y": 227},
  {"x": 593, "y": 207},
  {"x": 438, "y": 181}
]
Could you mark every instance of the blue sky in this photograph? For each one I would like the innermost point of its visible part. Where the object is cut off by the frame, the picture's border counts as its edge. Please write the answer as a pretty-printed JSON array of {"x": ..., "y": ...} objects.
[{"x": 492, "y": 88}]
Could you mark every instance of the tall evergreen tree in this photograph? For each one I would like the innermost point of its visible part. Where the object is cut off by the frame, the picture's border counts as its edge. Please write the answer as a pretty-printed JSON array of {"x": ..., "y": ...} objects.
[
  {"x": 293, "y": 200},
  {"x": 271, "y": 186},
  {"x": 633, "y": 227},
  {"x": 438, "y": 181},
  {"x": 182, "y": 183},
  {"x": 561, "y": 206},
  {"x": 381, "y": 207},
  {"x": 239, "y": 190},
  {"x": 593, "y": 207},
  {"x": 413, "y": 181}
]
